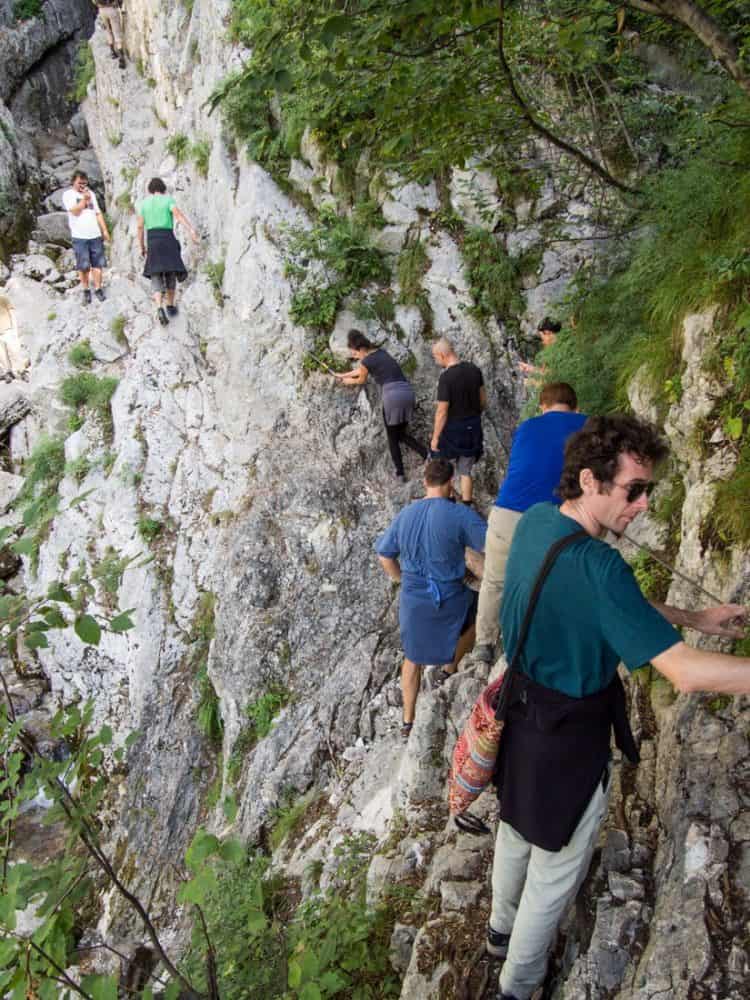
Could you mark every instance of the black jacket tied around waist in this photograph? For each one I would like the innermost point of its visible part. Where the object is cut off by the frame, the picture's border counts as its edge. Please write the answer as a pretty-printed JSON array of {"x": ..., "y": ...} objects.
[{"x": 553, "y": 751}]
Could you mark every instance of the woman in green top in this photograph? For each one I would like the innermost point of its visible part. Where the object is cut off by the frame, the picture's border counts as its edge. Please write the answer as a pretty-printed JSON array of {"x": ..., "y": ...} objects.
[{"x": 157, "y": 215}]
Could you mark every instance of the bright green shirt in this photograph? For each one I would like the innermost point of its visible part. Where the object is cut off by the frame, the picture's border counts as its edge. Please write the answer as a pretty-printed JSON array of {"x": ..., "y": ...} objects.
[
  {"x": 156, "y": 211},
  {"x": 591, "y": 613}
]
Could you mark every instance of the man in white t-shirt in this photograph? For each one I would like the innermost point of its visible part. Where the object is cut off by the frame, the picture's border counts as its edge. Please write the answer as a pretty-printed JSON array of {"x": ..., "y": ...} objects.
[{"x": 89, "y": 231}]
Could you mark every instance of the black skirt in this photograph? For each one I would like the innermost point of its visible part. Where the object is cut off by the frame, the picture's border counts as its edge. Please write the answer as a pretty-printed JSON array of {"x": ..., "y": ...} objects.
[{"x": 163, "y": 256}]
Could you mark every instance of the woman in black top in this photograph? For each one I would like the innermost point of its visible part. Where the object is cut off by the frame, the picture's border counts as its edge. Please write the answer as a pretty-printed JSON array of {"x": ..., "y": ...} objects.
[{"x": 398, "y": 395}]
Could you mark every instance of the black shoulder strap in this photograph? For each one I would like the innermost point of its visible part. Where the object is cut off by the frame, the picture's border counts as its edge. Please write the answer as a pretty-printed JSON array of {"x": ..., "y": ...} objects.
[{"x": 542, "y": 575}]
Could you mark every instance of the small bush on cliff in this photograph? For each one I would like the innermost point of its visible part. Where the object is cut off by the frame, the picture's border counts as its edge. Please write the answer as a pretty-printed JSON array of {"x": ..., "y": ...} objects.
[
  {"x": 492, "y": 276},
  {"x": 81, "y": 355},
  {"x": 83, "y": 73},
  {"x": 326, "y": 263},
  {"x": 24, "y": 10},
  {"x": 86, "y": 391}
]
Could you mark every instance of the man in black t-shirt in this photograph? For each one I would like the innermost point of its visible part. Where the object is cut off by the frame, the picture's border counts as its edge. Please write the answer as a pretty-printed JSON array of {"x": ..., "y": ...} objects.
[{"x": 457, "y": 432}]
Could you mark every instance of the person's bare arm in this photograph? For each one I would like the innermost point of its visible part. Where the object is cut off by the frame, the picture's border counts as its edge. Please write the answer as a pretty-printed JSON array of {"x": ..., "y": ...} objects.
[
  {"x": 727, "y": 620},
  {"x": 692, "y": 670},
  {"x": 80, "y": 206},
  {"x": 102, "y": 226},
  {"x": 391, "y": 567},
  {"x": 141, "y": 235},
  {"x": 441, "y": 418},
  {"x": 357, "y": 376},
  {"x": 180, "y": 217},
  {"x": 482, "y": 398},
  {"x": 474, "y": 562}
]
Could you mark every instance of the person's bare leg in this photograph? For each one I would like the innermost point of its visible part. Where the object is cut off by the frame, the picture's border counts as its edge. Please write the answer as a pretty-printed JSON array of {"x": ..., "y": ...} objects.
[
  {"x": 157, "y": 299},
  {"x": 84, "y": 276},
  {"x": 411, "y": 674},
  {"x": 465, "y": 645},
  {"x": 96, "y": 273},
  {"x": 467, "y": 488},
  {"x": 171, "y": 292}
]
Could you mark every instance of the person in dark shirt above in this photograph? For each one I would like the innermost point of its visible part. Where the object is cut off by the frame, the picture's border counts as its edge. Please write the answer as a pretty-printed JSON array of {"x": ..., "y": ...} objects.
[
  {"x": 534, "y": 467},
  {"x": 398, "y": 394},
  {"x": 457, "y": 432}
]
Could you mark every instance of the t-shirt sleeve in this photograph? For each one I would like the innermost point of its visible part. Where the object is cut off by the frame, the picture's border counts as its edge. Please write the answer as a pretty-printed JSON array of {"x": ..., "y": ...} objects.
[
  {"x": 443, "y": 390},
  {"x": 139, "y": 209},
  {"x": 171, "y": 204},
  {"x": 475, "y": 529},
  {"x": 633, "y": 628},
  {"x": 69, "y": 200},
  {"x": 388, "y": 543},
  {"x": 367, "y": 362}
]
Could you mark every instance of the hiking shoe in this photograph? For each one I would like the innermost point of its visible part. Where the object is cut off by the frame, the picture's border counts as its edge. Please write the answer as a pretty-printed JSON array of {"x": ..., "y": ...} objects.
[
  {"x": 122, "y": 61},
  {"x": 113, "y": 53},
  {"x": 171, "y": 310},
  {"x": 484, "y": 652},
  {"x": 162, "y": 316},
  {"x": 100, "y": 294},
  {"x": 497, "y": 946},
  {"x": 406, "y": 731},
  {"x": 87, "y": 296}
]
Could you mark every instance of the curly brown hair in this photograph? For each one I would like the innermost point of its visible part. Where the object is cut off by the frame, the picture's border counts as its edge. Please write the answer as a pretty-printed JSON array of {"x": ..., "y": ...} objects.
[{"x": 599, "y": 444}]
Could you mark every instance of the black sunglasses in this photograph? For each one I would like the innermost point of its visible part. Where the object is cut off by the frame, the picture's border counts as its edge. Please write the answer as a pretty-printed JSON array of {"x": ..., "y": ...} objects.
[{"x": 636, "y": 489}]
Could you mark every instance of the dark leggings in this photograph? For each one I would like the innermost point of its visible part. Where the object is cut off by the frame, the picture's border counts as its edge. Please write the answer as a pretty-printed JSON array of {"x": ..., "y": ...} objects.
[{"x": 397, "y": 434}]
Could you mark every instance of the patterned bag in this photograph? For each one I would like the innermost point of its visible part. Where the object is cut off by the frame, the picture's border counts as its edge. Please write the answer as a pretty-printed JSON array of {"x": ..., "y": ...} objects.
[{"x": 476, "y": 751}]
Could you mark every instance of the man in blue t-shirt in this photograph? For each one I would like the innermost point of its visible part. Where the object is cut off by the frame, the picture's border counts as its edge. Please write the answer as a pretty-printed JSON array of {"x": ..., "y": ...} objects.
[
  {"x": 423, "y": 550},
  {"x": 553, "y": 772},
  {"x": 534, "y": 467}
]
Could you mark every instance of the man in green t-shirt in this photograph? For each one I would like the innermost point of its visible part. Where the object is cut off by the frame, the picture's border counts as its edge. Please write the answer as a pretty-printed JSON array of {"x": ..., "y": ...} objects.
[{"x": 553, "y": 773}]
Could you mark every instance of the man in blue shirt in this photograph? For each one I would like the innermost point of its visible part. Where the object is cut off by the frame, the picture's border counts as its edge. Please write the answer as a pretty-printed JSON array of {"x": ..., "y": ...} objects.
[
  {"x": 424, "y": 550},
  {"x": 553, "y": 772},
  {"x": 534, "y": 467}
]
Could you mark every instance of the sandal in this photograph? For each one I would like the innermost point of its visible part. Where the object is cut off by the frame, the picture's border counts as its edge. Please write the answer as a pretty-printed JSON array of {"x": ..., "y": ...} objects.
[{"x": 467, "y": 823}]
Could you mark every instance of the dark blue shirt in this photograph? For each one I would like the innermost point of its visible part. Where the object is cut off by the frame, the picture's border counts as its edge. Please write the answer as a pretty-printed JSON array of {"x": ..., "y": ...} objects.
[
  {"x": 429, "y": 537},
  {"x": 536, "y": 459}
]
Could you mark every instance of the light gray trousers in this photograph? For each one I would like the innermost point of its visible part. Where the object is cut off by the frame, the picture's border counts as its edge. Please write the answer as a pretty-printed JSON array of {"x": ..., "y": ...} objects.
[{"x": 531, "y": 889}]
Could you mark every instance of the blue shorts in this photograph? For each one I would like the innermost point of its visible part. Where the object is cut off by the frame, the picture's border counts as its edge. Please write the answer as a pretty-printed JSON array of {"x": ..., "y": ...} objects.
[{"x": 89, "y": 253}]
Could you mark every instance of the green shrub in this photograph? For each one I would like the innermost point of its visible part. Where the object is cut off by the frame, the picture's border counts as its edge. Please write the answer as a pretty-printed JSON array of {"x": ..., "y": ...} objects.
[
  {"x": 81, "y": 355},
  {"x": 86, "y": 391},
  {"x": 288, "y": 819},
  {"x": 43, "y": 472},
  {"x": 124, "y": 202},
  {"x": 413, "y": 263},
  {"x": 214, "y": 271},
  {"x": 209, "y": 717},
  {"x": 343, "y": 259},
  {"x": 117, "y": 326},
  {"x": 178, "y": 146},
  {"x": 79, "y": 468},
  {"x": 109, "y": 570},
  {"x": 149, "y": 528},
  {"x": 84, "y": 71},
  {"x": 264, "y": 710},
  {"x": 492, "y": 276},
  {"x": 24, "y": 10},
  {"x": 200, "y": 153}
]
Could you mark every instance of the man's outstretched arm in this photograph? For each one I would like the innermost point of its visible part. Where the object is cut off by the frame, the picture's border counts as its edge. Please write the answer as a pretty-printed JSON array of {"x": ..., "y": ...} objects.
[
  {"x": 727, "y": 620},
  {"x": 692, "y": 670},
  {"x": 391, "y": 567}
]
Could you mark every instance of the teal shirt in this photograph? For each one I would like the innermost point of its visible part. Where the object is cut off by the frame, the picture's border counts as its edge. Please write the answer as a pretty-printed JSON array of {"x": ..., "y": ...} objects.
[
  {"x": 156, "y": 211},
  {"x": 591, "y": 613}
]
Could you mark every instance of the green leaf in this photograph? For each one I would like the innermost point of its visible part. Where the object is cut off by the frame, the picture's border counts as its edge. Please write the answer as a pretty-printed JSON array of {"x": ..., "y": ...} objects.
[
  {"x": 6, "y": 532},
  {"x": 88, "y": 630},
  {"x": 295, "y": 974},
  {"x": 36, "y": 640},
  {"x": 232, "y": 851},
  {"x": 256, "y": 922},
  {"x": 310, "y": 992},
  {"x": 172, "y": 992},
  {"x": 229, "y": 806},
  {"x": 131, "y": 738},
  {"x": 201, "y": 847},
  {"x": 122, "y": 622},
  {"x": 283, "y": 81},
  {"x": 332, "y": 28},
  {"x": 334, "y": 981},
  {"x": 80, "y": 498},
  {"x": 58, "y": 592},
  {"x": 100, "y": 987},
  {"x": 196, "y": 890},
  {"x": 105, "y": 735},
  {"x": 733, "y": 427},
  {"x": 54, "y": 618},
  {"x": 24, "y": 546}
]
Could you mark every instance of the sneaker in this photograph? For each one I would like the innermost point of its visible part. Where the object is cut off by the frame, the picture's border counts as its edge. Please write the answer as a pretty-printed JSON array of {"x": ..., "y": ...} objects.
[
  {"x": 171, "y": 310},
  {"x": 122, "y": 61},
  {"x": 497, "y": 945},
  {"x": 406, "y": 731},
  {"x": 162, "y": 316},
  {"x": 113, "y": 53},
  {"x": 100, "y": 294},
  {"x": 484, "y": 652},
  {"x": 87, "y": 296}
]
